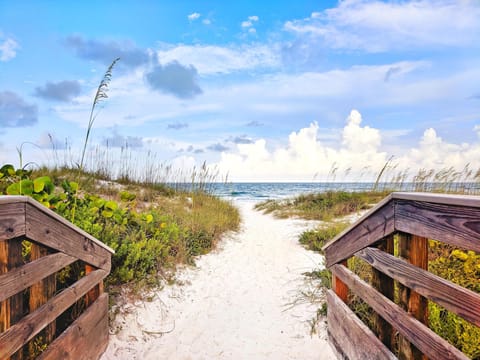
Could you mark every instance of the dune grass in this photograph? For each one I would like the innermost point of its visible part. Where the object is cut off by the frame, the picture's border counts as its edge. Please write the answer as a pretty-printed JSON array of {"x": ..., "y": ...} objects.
[{"x": 322, "y": 206}]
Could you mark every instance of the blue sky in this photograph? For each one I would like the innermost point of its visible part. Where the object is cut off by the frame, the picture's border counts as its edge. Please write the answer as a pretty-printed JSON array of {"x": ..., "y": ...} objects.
[{"x": 271, "y": 90}]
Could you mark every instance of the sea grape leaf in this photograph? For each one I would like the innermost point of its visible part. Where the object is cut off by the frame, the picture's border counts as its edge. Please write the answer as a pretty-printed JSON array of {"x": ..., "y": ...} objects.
[{"x": 43, "y": 183}]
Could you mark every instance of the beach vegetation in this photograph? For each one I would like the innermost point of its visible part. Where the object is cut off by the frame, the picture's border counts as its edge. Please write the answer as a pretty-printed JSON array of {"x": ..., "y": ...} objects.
[
  {"x": 322, "y": 206},
  {"x": 148, "y": 237},
  {"x": 453, "y": 264}
]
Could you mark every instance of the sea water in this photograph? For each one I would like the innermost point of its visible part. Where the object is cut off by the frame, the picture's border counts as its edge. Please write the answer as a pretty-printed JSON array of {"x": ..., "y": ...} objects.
[{"x": 266, "y": 191}]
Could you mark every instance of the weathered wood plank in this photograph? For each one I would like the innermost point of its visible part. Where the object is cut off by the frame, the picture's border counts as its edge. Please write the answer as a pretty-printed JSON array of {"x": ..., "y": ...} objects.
[
  {"x": 417, "y": 333},
  {"x": 23, "y": 331},
  {"x": 350, "y": 336},
  {"x": 452, "y": 297},
  {"x": 60, "y": 236},
  {"x": 384, "y": 284},
  {"x": 22, "y": 277},
  {"x": 40, "y": 293},
  {"x": 455, "y": 225},
  {"x": 339, "y": 287},
  {"x": 370, "y": 230},
  {"x": 445, "y": 199},
  {"x": 7, "y": 200},
  {"x": 11, "y": 310},
  {"x": 94, "y": 293},
  {"x": 12, "y": 220},
  {"x": 413, "y": 249},
  {"x": 86, "y": 338}
]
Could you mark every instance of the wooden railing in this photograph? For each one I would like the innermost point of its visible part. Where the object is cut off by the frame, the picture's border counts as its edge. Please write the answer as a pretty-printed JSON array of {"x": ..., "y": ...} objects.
[
  {"x": 52, "y": 304},
  {"x": 401, "y": 285}
]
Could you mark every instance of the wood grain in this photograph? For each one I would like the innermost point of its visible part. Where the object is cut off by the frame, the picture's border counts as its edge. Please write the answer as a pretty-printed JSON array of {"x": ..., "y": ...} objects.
[
  {"x": 417, "y": 333},
  {"x": 25, "y": 276},
  {"x": 23, "y": 331},
  {"x": 59, "y": 236},
  {"x": 12, "y": 220},
  {"x": 384, "y": 284},
  {"x": 40, "y": 293},
  {"x": 452, "y": 297},
  {"x": 350, "y": 336},
  {"x": 86, "y": 338},
  {"x": 11, "y": 310},
  {"x": 455, "y": 225},
  {"x": 339, "y": 287},
  {"x": 372, "y": 229}
]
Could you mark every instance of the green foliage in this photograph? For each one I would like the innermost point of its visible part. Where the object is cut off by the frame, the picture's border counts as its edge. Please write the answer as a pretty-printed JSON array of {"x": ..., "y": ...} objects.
[
  {"x": 317, "y": 238},
  {"x": 145, "y": 242},
  {"x": 462, "y": 268},
  {"x": 322, "y": 206}
]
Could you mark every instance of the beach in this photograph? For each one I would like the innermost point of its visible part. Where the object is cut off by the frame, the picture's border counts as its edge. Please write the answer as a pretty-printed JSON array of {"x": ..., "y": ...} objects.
[{"x": 244, "y": 300}]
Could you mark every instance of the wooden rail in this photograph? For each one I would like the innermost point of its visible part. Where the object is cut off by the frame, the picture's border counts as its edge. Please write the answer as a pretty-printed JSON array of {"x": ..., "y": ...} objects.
[
  {"x": 52, "y": 304},
  {"x": 401, "y": 322}
]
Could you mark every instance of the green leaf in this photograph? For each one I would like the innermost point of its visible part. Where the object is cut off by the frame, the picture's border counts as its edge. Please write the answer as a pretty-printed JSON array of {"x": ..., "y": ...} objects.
[
  {"x": 111, "y": 205},
  {"x": 26, "y": 187},
  {"x": 107, "y": 213},
  {"x": 7, "y": 169},
  {"x": 13, "y": 189},
  {"x": 43, "y": 183},
  {"x": 74, "y": 186}
]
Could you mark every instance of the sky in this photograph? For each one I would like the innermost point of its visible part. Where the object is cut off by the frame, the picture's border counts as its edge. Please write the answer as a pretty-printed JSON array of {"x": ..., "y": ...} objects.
[{"x": 259, "y": 91}]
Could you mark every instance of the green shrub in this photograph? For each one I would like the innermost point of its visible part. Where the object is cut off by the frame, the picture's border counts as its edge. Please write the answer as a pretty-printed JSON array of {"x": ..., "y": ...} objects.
[{"x": 317, "y": 238}]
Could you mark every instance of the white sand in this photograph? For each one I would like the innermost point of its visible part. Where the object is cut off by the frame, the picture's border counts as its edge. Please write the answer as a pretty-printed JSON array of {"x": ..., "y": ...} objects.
[{"x": 234, "y": 304}]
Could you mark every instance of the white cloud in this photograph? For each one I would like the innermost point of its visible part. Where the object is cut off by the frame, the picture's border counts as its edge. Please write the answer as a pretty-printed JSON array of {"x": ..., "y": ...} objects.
[
  {"x": 211, "y": 59},
  {"x": 8, "y": 49},
  {"x": 377, "y": 26},
  {"x": 476, "y": 128},
  {"x": 247, "y": 25},
  {"x": 193, "y": 16},
  {"x": 304, "y": 157},
  {"x": 206, "y": 21}
]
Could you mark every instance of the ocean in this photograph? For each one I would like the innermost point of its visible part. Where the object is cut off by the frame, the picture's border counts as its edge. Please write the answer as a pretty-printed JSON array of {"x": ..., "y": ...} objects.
[{"x": 266, "y": 191}]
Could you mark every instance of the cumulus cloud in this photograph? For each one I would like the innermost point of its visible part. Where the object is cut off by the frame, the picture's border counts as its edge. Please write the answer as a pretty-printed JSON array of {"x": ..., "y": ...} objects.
[
  {"x": 60, "y": 91},
  {"x": 193, "y": 16},
  {"x": 305, "y": 157},
  {"x": 15, "y": 112},
  {"x": 120, "y": 141},
  {"x": 106, "y": 51},
  {"x": 175, "y": 79},
  {"x": 177, "y": 126},
  {"x": 377, "y": 26},
  {"x": 8, "y": 49}
]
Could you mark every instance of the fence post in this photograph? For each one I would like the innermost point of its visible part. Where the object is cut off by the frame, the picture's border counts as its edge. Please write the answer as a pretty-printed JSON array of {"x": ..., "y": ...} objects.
[
  {"x": 414, "y": 249},
  {"x": 40, "y": 293},
  {"x": 339, "y": 286},
  {"x": 93, "y": 294},
  {"x": 385, "y": 285},
  {"x": 11, "y": 310}
]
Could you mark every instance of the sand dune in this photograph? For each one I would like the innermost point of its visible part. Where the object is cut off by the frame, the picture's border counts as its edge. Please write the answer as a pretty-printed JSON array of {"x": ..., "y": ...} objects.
[{"x": 236, "y": 304}]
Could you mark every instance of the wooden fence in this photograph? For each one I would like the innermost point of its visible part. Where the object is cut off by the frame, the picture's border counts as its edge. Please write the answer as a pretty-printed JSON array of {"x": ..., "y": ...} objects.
[
  {"x": 52, "y": 304},
  {"x": 401, "y": 319}
]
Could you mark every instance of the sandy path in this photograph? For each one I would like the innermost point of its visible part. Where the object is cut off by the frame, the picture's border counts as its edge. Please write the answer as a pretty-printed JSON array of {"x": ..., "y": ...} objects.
[{"x": 234, "y": 304}]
